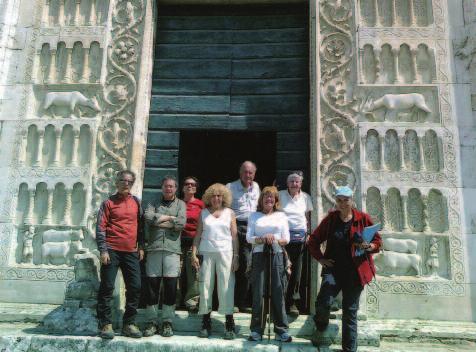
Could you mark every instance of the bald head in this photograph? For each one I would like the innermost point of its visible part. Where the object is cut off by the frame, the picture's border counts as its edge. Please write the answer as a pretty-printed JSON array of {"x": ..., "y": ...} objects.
[{"x": 247, "y": 173}]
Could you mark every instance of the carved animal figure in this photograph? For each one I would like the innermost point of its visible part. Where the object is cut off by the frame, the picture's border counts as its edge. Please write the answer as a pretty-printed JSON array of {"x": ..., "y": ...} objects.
[
  {"x": 390, "y": 262},
  {"x": 69, "y": 100},
  {"x": 397, "y": 102},
  {"x": 401, "y": 246},
  {"x": 61, "y": 235},
  {"x": 60, "y": 252}
]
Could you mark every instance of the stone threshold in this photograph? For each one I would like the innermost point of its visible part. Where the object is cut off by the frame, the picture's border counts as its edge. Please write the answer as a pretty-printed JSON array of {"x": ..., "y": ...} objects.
[{"x": 373, "y": 333}]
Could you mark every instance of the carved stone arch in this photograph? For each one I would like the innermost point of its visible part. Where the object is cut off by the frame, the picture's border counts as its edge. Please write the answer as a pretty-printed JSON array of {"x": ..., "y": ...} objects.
[
  {"x": 437, "y": 211},
  {"x": 392, "y": 151},
  {"x": 411, "y": 147},
  {"x": 372, "y": 150},
  {"x": 415, "y": 210},
  {"x": 374, "y": 205},
  {"x": 394, "y": 210}
]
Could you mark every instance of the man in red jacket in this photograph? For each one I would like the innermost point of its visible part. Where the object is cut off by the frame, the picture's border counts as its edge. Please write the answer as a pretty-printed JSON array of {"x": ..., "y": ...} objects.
[
  {"x": 342, "y": 269},
  {"x": 119, "y": 237}
]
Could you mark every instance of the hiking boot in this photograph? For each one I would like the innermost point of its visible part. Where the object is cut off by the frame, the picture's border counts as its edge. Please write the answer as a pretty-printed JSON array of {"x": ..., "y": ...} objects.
[
  {"x": 254, "y": 336},
  {"x": 150, "y": 330},
  {"x": 130, "y": 330},
  {"x": 293, "y": 310},
  {"x": 284, "y": 337},
  {"x": 107, "y": 332},
  {"x": 206, "y": 330},
  {"x": 167, "y": 330},
  {"x": 229, "y": 328}
]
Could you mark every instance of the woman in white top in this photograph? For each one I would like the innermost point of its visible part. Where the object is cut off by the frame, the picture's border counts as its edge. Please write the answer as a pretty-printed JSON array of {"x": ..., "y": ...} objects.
[
  {"x": 217, "y": 242},
  {"x": 268, "y": 230}
]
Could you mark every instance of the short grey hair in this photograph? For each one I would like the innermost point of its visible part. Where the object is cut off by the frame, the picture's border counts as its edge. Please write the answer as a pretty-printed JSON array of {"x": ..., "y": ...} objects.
[
  {"x": 126, "y": 172},
  {"x": 242, "y": 166},
  {"x": 167, "y": 178},
  {"x": 295, "y": 174}
]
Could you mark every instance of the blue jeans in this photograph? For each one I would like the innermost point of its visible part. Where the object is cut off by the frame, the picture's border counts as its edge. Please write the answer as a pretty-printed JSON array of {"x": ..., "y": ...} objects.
[
  {"x": 130, "y": 268},
  {"x": 332, "y": 284}
]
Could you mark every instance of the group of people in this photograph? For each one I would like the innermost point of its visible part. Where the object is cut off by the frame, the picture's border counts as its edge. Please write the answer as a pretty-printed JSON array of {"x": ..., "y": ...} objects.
[{"x": 251, "y": 240}]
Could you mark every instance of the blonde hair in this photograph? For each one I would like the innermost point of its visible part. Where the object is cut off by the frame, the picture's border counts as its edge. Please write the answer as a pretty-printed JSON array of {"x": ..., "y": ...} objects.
[
  {"x": 269, "y": 190},
  {"x": 217, "y": 188}
]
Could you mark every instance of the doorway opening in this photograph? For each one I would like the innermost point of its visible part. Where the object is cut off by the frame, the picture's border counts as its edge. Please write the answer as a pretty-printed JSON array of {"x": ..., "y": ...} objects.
[{"x": 216, "y": 155}]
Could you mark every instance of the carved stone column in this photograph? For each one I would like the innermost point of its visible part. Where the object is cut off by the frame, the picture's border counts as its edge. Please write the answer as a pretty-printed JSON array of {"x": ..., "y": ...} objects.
[
  {"x": 422, "y": 153},
  {"x": 75, "y": 146},
  {"x": 92, "y": 14},
  {"x": 394, "y": 14},
  {"x": 378, "y": 62},
  {"x": 52, "y": 67},
  {"x": 401, "y": 150},
  {"x": 23, "y": 148},
  {"x": 384, "y": 212},
  {"x": 77, "y": 13},
  {"x": 39, "y": 155},
  {"x": 411, "y": 13},
  {"x": 67, "y": 207},
  {"x": 86, "y": 71},
  {"x": 377, "y": 14},
  {"x": 382, "y": 152},
  {"x": 31, "y": 205},
  {"x": 68, "y": 78},
  {"x": 56, "y": 158},
  {"x": 426, "y": 219},
  {"x": 61, "y": 18},
  {"x": 46, "y": 7},
  {"x": 405, "y": 214},
  {"x": 48, "y": 219},
  {"x": 416, "y": 78},
  {"x": 395, "y": 53},
  {"x": 361, "y": 55}
]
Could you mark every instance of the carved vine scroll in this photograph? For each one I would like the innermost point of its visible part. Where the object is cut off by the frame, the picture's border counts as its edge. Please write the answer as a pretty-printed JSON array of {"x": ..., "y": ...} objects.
[{"x": 337, "y": 120}]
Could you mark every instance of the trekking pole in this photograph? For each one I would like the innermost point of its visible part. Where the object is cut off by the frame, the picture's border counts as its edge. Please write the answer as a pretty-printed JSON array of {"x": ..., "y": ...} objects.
[{"x": 270, "y": 262}]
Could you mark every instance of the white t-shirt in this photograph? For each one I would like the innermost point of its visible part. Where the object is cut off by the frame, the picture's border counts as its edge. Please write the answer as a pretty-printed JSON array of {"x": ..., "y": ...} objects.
[
  {"x": 216, "y": 232},
  {"x": 244, "y": 200},
  {"x": 260, "y": 224},
  {"x": 296, "y": 208}
]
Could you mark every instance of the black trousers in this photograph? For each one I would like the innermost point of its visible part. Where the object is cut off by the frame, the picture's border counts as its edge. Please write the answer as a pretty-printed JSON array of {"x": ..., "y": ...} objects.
[
  {"x": 242, "y": 281},
  {"x": 128, "y": 262},
  {"x": 348, "y": 282},
  {"x": 295, "y": 253}
]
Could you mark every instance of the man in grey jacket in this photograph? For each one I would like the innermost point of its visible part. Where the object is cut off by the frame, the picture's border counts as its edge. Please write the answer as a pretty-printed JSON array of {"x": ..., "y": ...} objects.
[{"x": 164, "y": 223}]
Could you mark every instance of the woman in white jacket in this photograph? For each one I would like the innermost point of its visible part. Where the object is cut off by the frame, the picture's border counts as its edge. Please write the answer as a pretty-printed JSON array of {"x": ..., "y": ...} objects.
[{"x": 268, "y": 226}]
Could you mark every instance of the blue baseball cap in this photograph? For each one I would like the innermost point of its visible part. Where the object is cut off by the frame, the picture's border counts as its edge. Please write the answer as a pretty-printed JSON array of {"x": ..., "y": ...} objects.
[{"x": 344, "y": 191}]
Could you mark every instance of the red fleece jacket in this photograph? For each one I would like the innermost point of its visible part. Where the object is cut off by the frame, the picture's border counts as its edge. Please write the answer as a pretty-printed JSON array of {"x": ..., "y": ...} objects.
[{"x": 364, "y": 263}]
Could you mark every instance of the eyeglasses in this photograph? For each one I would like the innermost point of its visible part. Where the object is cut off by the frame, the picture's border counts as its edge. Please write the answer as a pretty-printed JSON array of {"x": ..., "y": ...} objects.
[
  {"x": 193, "y": 184},
  {"x": 342, "y": 200},
  {"x": 130, "y": 182}
]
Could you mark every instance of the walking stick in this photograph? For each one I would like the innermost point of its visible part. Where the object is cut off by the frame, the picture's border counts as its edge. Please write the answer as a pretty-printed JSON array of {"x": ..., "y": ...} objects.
[{"x": 270, "y": 263}]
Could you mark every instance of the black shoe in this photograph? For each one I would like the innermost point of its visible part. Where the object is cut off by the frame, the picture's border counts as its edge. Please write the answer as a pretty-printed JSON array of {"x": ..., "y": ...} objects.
[
  {"x": 229, "y": 328},
  {"x": 320, "y": 325},
  {"x": 206, "y": 330}
]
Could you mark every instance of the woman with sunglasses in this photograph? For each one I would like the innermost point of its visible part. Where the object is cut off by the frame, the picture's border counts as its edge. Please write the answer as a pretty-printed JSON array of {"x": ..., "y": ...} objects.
[
  {"x": 342, "y": 269},
  {"x": 189, "y": 278}
]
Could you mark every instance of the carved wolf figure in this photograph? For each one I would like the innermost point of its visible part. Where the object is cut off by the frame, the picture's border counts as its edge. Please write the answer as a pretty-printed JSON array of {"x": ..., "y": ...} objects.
[
  {"x": 69, "y": 100},
  {"x": 389, "y": 262},
  {"x": 397, "y": 102}
]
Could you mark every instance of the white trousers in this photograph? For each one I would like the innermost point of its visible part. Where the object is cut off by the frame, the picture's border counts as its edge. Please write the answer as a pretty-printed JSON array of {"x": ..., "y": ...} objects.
[{"x": 219, "y": 263}]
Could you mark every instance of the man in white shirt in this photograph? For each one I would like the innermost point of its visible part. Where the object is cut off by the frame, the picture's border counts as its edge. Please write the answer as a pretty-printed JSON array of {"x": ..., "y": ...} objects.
[
  {"x": 245, "y": 194},
  {"x": 297, "y": 205}
]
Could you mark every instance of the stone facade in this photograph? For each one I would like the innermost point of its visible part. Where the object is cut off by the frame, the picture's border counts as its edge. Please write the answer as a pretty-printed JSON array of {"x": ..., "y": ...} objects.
[{"x": 393, "y": 100}]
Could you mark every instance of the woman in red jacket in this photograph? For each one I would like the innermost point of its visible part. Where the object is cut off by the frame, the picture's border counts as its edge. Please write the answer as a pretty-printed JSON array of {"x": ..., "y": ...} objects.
[{"x": 342, "y": 269}]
